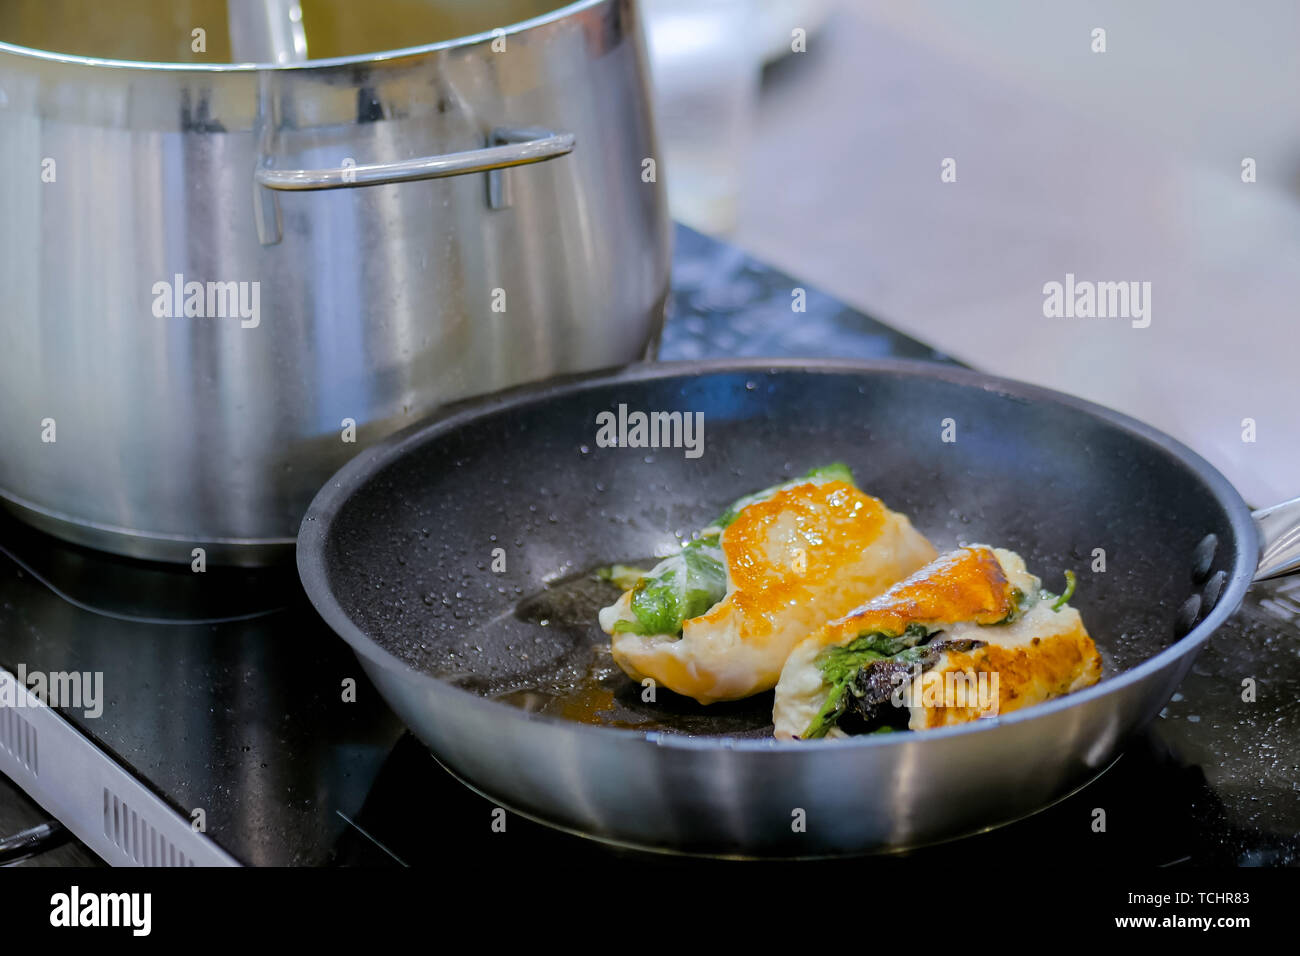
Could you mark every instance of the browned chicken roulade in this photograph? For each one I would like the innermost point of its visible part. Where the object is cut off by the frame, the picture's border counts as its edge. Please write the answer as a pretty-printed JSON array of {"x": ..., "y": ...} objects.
[{"x": 970, "y": 635}]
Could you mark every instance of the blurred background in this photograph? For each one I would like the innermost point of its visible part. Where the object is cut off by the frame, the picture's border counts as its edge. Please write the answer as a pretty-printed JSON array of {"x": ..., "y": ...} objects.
[{"x": 1115, "y": 166}]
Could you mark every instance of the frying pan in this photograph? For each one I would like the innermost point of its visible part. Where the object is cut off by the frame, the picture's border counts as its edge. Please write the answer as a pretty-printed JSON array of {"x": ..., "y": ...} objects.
[{"x": 457, "y": 557}]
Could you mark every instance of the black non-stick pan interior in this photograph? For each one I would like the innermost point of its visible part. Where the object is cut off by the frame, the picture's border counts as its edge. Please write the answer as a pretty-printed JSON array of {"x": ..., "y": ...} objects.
[{"x": 412, "y": 553}]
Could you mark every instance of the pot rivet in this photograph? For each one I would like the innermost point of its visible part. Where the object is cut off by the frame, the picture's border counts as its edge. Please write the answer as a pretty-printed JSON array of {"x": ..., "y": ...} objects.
[
  {"x": 1203, "y": 557},
  {"x": 1213, "y": 589},
  {"x": 1187, "y": 615}
]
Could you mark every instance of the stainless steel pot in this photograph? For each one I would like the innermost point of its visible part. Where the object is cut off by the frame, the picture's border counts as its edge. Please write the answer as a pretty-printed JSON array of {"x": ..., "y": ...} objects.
[{"x": 213, "y": 276}]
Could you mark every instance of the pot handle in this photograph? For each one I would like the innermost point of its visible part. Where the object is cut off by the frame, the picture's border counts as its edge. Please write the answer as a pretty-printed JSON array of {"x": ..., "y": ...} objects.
[
  {"x": 1279, "y": 540},
  {"x": 507, "y": 147}
]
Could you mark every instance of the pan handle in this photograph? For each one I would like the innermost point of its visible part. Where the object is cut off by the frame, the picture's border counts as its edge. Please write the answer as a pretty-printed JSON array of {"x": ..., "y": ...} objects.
[
  {"x": 515, "y": 147},
  {"x": 1279, "y": 540}
]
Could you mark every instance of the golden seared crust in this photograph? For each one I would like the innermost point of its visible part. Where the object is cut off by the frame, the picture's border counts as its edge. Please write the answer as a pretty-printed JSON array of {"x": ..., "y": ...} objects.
[
  {"x": 968, "y": 584},
  {"x": 968, "y": 595},
  {"x": 1045, "y": 655},
  {"x": 781, "y": 551}
]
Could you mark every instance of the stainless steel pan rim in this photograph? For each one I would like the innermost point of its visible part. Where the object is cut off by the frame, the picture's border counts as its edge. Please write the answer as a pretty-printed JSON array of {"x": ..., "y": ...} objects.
[
  {"x": 892, "y": 851},
  {"x": 357, "y": 59},
  {"x": 315, "y": 527}
]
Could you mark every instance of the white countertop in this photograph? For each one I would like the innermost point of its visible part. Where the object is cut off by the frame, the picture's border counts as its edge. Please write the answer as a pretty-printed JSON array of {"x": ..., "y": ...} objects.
[{"x": 1101, "y": 165}]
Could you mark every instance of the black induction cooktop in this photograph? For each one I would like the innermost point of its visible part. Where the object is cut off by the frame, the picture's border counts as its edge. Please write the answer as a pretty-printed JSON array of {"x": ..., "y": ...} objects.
[{"x": 223, "y": 734}]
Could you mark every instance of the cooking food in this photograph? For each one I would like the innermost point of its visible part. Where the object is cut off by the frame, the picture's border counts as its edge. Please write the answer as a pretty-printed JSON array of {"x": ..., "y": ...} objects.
[
  {"x": 972, "y": 634},
  {"x": 670, "y": 774},
  {"x": 716, "y": 620}
]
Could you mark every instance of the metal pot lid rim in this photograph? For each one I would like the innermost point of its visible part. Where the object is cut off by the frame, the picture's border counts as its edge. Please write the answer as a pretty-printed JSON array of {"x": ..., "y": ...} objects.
[
  {"x": 358, "y": 59},
  {"x": 315, "y": 526}
]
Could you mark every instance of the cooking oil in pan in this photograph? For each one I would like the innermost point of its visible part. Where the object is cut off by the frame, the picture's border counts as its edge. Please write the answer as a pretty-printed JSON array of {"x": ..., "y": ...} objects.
[{"x": 603, "y": 694}]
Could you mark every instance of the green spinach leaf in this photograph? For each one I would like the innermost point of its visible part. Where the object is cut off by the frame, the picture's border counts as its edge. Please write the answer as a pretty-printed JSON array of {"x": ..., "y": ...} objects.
[
  {"x": 840, "y": 665},
  {"x": 680, "y": 588}
]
